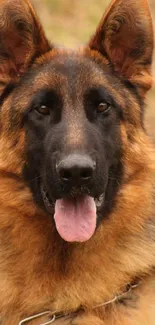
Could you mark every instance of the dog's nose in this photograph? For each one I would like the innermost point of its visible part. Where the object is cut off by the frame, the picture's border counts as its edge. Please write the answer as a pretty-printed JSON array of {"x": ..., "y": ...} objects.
[{"x": 76, "y": 169}]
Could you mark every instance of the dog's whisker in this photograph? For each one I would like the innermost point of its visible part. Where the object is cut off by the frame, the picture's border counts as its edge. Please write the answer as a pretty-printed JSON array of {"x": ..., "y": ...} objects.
[{"x": 37, "y": 177}]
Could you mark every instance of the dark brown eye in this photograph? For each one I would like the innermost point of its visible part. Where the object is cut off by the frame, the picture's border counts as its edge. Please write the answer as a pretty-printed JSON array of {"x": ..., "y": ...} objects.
[
  {"x": 103, "y": 107},
  {"x": 43, "y": 109}
]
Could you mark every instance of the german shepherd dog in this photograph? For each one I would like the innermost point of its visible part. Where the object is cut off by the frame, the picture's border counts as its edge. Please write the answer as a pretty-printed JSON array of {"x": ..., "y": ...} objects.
[{"x": 77, "y": 226}]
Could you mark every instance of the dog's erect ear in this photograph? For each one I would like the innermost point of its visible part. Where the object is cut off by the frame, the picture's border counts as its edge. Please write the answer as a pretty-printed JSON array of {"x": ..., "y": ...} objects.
[
  {"x": 125, "y": 37},
  {"x": 21, "y": 39}
]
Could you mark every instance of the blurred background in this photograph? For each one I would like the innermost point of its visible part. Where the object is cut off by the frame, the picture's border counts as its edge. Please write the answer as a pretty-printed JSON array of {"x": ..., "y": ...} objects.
[{"x": 72, "y": 22}]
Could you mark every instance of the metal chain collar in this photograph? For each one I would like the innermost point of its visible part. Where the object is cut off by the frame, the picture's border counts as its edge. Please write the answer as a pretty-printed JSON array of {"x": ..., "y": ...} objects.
[{"x": 54, "y": 316}]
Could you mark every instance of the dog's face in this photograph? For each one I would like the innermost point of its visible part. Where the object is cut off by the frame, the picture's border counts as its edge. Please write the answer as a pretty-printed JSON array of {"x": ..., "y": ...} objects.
[
  {"x": 73, "y": 140},
  {"x": 68, "y": 109}
]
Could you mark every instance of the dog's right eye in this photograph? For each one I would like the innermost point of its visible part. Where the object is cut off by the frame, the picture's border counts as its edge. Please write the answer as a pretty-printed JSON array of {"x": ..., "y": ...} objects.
[
  {"x": 43, "y": 109},
  {"x": 103, "y": 108}
]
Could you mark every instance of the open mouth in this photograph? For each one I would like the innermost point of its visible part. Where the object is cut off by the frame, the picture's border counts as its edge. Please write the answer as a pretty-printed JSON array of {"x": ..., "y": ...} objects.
[{"x": 75, "y": 218}]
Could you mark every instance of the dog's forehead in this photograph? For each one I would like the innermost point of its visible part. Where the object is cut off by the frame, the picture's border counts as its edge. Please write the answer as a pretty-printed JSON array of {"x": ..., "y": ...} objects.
[
  {"x": 72, "y": 75},
  {"x": 69, "y": 74},
  {"x": 71, "y": 66}
]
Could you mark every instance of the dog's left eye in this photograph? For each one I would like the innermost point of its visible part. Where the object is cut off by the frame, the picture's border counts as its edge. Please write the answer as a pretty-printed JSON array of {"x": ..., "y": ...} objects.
[
  {"x": 43, "y": 109},
  {"x": 103, "y": 107}
]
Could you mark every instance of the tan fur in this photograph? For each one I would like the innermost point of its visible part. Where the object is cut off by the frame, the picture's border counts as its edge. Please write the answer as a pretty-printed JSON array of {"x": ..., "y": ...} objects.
[{"x": 38, "y": 271}]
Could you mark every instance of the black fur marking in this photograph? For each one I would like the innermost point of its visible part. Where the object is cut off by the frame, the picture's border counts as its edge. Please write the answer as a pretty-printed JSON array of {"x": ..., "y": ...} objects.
[
  {"x": 134, "y": 90},
  {"x": 114, "y": 183},
  {"x": 49, "y": 98},
  {"x": 7, "y": 91},
  {"x": 130, "y": 86},
  {"x": 97, "y": 95}
]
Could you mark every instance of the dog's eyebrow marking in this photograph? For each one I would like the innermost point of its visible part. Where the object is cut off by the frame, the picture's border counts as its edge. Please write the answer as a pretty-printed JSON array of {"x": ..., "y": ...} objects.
[
  {"x": 44, "y": 97},
  {"x": 99, "y": 94}
]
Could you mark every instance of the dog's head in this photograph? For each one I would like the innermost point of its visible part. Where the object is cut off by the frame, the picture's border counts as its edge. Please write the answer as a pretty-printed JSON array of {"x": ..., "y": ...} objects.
[{"x": 67, "y": 117}]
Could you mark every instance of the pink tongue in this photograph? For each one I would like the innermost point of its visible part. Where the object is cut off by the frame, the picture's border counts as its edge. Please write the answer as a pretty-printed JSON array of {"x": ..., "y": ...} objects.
[{"x": 75, "y": 218}]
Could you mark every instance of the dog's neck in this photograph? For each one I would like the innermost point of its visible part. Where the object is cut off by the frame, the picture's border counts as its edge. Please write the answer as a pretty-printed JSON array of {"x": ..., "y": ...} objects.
[{"x": 49, "y": 317}]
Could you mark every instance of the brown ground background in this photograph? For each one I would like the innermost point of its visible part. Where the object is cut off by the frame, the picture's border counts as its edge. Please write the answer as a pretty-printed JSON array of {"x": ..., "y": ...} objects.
[{"x": 71, "y": 23}]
